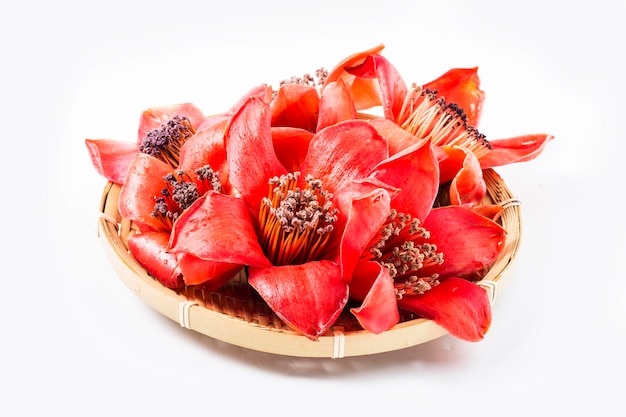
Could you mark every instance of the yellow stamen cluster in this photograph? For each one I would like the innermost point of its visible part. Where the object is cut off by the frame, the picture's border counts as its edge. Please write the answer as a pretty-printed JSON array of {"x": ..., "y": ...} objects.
[
  {"x": 296, "y": 224},
  {"x": 428, "y": 117}
]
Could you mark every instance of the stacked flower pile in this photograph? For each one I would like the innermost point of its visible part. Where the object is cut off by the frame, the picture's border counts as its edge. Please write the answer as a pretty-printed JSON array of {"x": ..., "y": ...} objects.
[{"x": 326, "y": 207}]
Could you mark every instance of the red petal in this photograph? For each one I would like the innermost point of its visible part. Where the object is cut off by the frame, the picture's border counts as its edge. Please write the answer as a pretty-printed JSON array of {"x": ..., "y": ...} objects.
[
  {"x": 469, "y": 241},
  {"x": 150, "y": 250},
  {"x": 373, "y": 284},
  {"x": 206, "y": 147},
  {"x": 143, "y": 183},
  {"x": 468, "y": 186},
  {"x": 252, "y": 160},
  {"x": 490, "y": 211},
  {"x": 218, "y": 228},
  {"x": 111, "y": 158},
  {"x": 364, "y": 91},
  {"x": 391, "y": 85},
  {"x": 344, "y": 152},
  {"x": 291, "y": 145},
  {"x": 457, "y": 305},
  {"x": 461, "y": 86},
  {"x": 365, "y": 207},
  {"x": 335, "y": 105},
  {"x": 307, "y": 297},
  {"x": 212, "y": 275},
  {"x": 260, "y": 90},
  {"x": 153, "y": 117},
  {"x": 397, "y": 138},
  {"x": 517, "y": 149},
  {"x": 296, "y": 105},
  {"x": 415, "y": 171}
]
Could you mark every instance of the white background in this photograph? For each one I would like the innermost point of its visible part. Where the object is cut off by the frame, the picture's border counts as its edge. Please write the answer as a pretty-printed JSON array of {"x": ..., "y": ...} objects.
[{"x": 76, "y": 341}]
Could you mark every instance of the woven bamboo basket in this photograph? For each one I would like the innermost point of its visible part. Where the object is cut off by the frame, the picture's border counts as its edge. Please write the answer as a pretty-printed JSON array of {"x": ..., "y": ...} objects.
[{"x": 237, "y": 315}]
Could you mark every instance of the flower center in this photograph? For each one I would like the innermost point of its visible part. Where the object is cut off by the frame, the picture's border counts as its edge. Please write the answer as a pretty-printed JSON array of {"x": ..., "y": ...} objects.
[
  {"x": 164, "y": 143},
  {"x": 181, "y": 191},
  {"x": 428, "y": 117},
  {"x": 295, "y": 223},
  {"x": 401, "y": 247}
]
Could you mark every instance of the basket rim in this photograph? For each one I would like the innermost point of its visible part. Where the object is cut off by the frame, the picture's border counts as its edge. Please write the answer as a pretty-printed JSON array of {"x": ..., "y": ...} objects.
[{"x": 193, "y": 314}]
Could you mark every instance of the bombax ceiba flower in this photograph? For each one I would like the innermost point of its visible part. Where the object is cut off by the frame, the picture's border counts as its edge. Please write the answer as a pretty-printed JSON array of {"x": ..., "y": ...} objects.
[
  {"x": 321, "y": 203},
  {"x": 446, "y": 111}
]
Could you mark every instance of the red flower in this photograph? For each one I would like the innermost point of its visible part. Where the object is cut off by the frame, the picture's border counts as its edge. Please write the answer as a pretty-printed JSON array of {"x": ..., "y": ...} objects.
[
  {"x": 445, "y": 111},
  {"x": 300, "y": 233},
  {"x": 321, "y": 203},
  {"x": 154, "y": 195},
  {"x": 111, "y": 158}
]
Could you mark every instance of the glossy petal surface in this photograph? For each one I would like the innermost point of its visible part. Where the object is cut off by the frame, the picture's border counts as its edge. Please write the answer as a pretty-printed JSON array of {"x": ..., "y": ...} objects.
[
  {"x": 296, "y": 105},
  {"x": 144, "y": 182},
  {"x": 374, "y": 286},
  {"x": 252, "y": 160},
  {"x": 150, "y": 250},
  {"x": 344, "y": 152},
  {"x": 462, "y": 87},
  {"x": 336, "y": 105},
  {"x": 517, "y": 149},
  {"x": 218, "y": 228},
  {"x": 111, "y": 158},
  {"x": 294, "y": 293},
  {"x": 459, "y": 306},
  {"x": 415, "y": 172},
  {"x": 468, "y": 240}
]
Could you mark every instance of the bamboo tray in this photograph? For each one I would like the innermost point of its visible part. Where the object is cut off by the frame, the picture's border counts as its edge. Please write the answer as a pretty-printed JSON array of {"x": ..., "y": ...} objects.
[{"x": 237, "y": 315}]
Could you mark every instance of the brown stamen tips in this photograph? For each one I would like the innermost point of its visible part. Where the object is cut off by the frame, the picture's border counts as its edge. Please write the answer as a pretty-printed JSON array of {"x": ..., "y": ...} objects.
[
  {"x": 401, "y": 246},
  {"x": 210, "y": 178},
  {"x": 316, "y": 80},
  {"x": 415, "y": 285},
  {"x": 165, "y": 142},
  {"x": 296, "y": 223},
  {"x": 179, "y": 193},
  {"x": 426, "y": 116}
]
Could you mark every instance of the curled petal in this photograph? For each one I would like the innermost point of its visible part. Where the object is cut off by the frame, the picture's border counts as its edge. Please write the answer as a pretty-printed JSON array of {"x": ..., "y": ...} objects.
[
  {"x": 143, "y": 183},
  {"x": 153, "y": 117},
  {"x": 468, "y": 240},
  {"x": 307, "y": 297},
  {"x": 150, "y": 250},
  {"x": 374, "y": 286},
  {"x": 111, "y": 158},
  {"x": 517, "y": 149},
  {"x": 259, "y": 90},
  {"x": 251, "y": 157},
  {"x": 335, "y": 105},
  {"x": 397, "y": 138},
  {"x": 391, "y": 86},
  {"x": 364, "y": 91},
  {"x": 415, "y": 172},
  {"x": 206, "y": 147},
  {"x": 296, "y": 105},
  {"x": 468, "y": 186},
  {"x": 367, "y": 205},
  {"x": 490, "y": 211},
  {"x": 218, "y": 228},
  {"x": 344, "y": 152},
  {"x": 459, "y": 306},
  {"x": 291, "y": 145},
  {"x": 462, "y": 87},
  {"x": 210, "y": 274}
]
